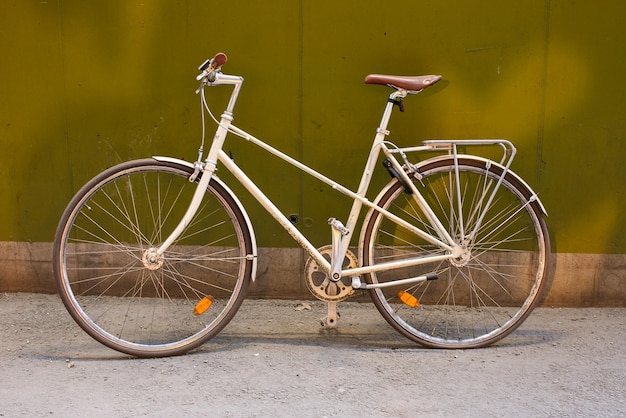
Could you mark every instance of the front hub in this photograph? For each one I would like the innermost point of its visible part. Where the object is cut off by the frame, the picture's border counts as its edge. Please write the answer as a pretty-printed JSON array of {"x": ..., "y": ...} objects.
[{"x": 151, "y": 259}]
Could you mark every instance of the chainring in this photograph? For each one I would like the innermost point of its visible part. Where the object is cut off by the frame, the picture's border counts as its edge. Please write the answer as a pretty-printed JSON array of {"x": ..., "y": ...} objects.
[{"x": 319, "y": 283}]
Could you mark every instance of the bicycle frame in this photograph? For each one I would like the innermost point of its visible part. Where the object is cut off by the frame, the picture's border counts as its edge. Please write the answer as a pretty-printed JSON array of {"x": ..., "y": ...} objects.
[
  {"x": 140, "y": 288},
  {"x": 216, "y": 154}
]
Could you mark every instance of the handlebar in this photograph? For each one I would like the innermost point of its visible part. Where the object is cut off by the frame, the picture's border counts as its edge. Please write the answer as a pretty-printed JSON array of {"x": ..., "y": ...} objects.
[{"x": 211, "y": 66}]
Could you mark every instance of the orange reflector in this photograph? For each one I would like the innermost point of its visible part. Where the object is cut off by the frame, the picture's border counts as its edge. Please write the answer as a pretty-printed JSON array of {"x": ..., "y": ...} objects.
[
  {"x": 408, "y": 299},
  {"x": 203, "y": 305}
]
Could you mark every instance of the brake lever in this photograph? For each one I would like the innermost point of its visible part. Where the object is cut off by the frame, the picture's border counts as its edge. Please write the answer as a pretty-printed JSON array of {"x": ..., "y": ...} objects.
[
  {"x": 210, "y": 67},
  {"x": 209, "y": 76}
]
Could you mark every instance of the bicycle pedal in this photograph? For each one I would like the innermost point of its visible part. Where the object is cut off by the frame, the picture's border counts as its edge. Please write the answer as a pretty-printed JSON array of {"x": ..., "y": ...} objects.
[{"x": 357, "y": 284}]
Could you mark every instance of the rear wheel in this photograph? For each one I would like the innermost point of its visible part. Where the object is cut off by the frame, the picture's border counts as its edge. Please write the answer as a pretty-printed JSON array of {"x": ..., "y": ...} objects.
[
  {"x": 125, "y": 295},
  {"x": 481, "y": 296}
]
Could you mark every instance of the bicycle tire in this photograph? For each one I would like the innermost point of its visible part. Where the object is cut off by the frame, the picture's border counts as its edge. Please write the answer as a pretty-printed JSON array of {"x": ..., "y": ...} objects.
[
  {"x": 122, "y": 300},
  {"x": 477, "y": 299}
]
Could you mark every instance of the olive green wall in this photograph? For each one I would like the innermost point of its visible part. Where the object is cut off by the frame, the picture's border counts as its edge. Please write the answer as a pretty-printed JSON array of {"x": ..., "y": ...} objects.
[{"x": 85, "y": 85}]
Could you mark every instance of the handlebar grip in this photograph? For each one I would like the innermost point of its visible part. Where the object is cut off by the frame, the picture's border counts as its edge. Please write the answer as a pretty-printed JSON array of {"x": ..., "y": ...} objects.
[
  {"x": 218, "y": 60},
  {"x": 210, "y": 66}
]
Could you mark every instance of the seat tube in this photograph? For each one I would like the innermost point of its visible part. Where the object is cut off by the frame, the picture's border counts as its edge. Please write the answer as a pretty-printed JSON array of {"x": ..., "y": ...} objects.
[
  {"x": 370, "y": 165},
  {"x": 381, "y": 133}
]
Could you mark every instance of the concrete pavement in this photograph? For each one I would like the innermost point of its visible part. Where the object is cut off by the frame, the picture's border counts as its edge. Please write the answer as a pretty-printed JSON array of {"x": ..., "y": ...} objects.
[{"x": 276, "y": 360}]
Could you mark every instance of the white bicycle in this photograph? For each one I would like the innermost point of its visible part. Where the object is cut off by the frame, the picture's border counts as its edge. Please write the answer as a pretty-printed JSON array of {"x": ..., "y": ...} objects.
[{"x": 153, "y": 257}]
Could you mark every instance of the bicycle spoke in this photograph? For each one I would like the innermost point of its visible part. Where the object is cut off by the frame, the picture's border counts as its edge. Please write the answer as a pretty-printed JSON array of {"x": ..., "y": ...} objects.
[
  {"x": 128, "y": 297},
  {"x": 487, "y": 291}
]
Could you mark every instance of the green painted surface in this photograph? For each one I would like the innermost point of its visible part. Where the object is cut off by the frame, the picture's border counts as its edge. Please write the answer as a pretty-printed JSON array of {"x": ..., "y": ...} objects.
[{"x": 85, "y": 85}]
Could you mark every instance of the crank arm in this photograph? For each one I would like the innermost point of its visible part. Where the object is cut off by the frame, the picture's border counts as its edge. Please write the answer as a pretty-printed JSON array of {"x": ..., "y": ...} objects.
[{"x": 332, "y": 316}]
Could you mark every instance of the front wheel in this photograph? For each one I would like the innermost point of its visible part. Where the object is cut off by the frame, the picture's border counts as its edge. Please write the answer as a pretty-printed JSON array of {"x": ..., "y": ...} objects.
[
  {"x": 485, "y": 294},
  {"x": 125, "y": 295}
]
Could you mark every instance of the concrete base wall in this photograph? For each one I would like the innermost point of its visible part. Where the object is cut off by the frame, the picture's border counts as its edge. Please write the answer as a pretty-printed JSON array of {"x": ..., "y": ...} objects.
[{"x": 577, "y": 279}]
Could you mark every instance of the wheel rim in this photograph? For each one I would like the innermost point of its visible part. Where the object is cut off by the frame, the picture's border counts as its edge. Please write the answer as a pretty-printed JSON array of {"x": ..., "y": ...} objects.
[
  {"x": 485, "y": 293},
  {"x": 127, "y": 296}
]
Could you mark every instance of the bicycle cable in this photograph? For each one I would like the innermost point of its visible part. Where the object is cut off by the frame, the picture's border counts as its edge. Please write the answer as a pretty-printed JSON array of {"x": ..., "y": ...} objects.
[
  {"x": 205, "y": 106},
  {"x": 203, "y": 122},
  {"x": 412, "y": 168},
  {"x": 217, "y": 122},
  {"x": 199, "y": 165}
]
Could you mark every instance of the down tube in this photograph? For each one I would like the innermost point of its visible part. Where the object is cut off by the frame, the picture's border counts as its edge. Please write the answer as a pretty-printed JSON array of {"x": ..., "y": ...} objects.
[{"x": 272, "y": 209}]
